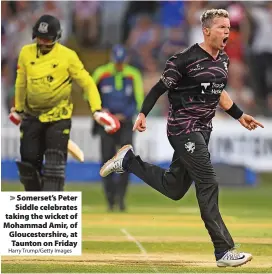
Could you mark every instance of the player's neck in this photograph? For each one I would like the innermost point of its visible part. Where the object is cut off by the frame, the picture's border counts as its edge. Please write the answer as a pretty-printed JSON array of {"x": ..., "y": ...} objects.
[{"x": 213, "y": 52}]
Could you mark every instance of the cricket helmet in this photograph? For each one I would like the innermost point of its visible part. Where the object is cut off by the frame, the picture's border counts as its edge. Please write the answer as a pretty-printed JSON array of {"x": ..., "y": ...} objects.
[{"x": 47, "y": 27}]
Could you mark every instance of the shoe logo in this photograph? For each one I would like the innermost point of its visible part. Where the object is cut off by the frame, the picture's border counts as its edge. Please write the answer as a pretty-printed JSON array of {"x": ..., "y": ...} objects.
[{"x": 190, "y": 147}]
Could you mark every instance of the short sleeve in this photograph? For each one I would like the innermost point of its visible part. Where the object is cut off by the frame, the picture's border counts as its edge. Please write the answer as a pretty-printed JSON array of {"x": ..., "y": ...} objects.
[{"x": 172, "y": 73}]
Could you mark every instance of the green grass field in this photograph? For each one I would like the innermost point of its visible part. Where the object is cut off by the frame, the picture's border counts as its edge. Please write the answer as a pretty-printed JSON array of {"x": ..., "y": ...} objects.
[{"x": 158, "y": 235}]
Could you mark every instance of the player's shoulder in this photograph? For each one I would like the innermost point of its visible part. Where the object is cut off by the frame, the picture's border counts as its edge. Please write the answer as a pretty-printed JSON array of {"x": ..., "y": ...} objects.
[
  {"x": 188, "y": 51},
  {"x": 184, "y": 56},
  {"x": 65, "y": 50},
  {"x": 29, "y": 48}
]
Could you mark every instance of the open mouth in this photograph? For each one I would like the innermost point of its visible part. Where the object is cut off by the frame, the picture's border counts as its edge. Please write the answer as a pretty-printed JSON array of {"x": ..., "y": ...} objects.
[{"x": 225, "y": 40}]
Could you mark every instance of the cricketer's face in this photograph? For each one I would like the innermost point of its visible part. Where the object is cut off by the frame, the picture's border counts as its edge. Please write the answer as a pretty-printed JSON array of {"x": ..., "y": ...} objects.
[
  {"x": 45, "y": 45},
  {"x": 218, "y": 32}
]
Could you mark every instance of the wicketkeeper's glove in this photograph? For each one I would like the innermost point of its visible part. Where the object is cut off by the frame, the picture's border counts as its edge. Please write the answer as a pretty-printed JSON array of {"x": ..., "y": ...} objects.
[{"x": 107, "y": 120}]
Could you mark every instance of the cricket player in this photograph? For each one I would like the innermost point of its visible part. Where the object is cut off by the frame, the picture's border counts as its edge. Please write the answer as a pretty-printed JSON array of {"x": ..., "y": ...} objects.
[
  {"x": 121, "y": 90},
  {"x": 43, "y": 100},
  {"x": 195, "y": 81}
]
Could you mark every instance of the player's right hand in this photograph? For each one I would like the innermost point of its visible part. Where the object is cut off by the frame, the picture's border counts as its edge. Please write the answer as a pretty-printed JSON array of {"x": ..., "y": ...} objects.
[
  {"x": 15, "y": 116},
  {"x": 140, "y": 123}
]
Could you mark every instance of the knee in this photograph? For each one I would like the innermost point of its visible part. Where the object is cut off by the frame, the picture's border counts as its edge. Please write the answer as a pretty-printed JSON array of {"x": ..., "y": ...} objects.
[
  {"x": 54, "y": 160},
  {"x": 33, "y": 158},
  {"x": 176, "y": 196},
  {"x": 177, "y": 193}
]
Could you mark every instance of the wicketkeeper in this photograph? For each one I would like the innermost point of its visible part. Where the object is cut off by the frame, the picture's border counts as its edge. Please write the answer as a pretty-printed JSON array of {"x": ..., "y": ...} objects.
[{"x": 43, "y": 102}]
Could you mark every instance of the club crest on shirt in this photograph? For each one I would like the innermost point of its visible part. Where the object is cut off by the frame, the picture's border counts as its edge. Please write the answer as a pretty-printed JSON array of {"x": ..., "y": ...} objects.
[
  {"x": 190, "y": 147},
  {"x": 225, "y": 65}
]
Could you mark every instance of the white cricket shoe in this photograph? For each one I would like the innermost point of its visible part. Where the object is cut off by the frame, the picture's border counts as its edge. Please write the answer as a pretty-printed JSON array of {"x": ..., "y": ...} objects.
[
  {"x": 234, "y": 258},
  {"x": 115, "y": 164}
]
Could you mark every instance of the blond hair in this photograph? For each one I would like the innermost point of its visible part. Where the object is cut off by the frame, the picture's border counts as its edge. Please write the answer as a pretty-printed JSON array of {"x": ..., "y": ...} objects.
[{"x": 207, "y": 16}]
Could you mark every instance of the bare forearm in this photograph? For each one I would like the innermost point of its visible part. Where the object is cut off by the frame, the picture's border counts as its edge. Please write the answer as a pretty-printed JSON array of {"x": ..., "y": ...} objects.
[{"x": 225, "y": 101}]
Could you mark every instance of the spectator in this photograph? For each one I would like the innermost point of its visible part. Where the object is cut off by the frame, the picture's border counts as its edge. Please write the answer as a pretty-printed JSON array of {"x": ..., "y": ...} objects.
[
  {"x": 112, "y": 19},
  {"x": 172, "y": 16},
  {"x": 4, "y": 69},
  {"x": 194, "y": 10},
  {"x": 15, "y": 35},
  {"x": 238, "y": 91},
  {"x": 87, "y": 21},
  {"x": 4, "y": 92},
  {"x": 134, "y": 9},
  {"x": 235, "y": 47},
  {"x": 261, "y": 56},
  {"x": 142, "y": 43},
  {"x": 176, "y": 42},
  {"x": 5, "y": 11}
]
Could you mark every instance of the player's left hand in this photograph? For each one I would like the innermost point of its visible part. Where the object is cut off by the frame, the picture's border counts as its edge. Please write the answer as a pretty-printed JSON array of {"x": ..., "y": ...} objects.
[
  {"x": 107, "y": 120},
  {"x": 249, "y": 122}
]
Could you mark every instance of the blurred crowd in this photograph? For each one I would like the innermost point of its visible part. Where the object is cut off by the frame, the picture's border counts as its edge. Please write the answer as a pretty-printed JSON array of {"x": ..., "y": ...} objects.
[{"x": 152, "y": 31}]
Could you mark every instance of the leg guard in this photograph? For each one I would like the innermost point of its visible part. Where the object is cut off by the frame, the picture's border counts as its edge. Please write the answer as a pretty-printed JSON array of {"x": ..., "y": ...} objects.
[
  {"x": 29, "y": 176},
  {"x": 54, "y": 170}
]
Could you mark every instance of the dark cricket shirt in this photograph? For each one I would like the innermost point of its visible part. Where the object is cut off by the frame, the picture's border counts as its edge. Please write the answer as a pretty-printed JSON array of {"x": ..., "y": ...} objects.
[{"x": 195, "y": 81}]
